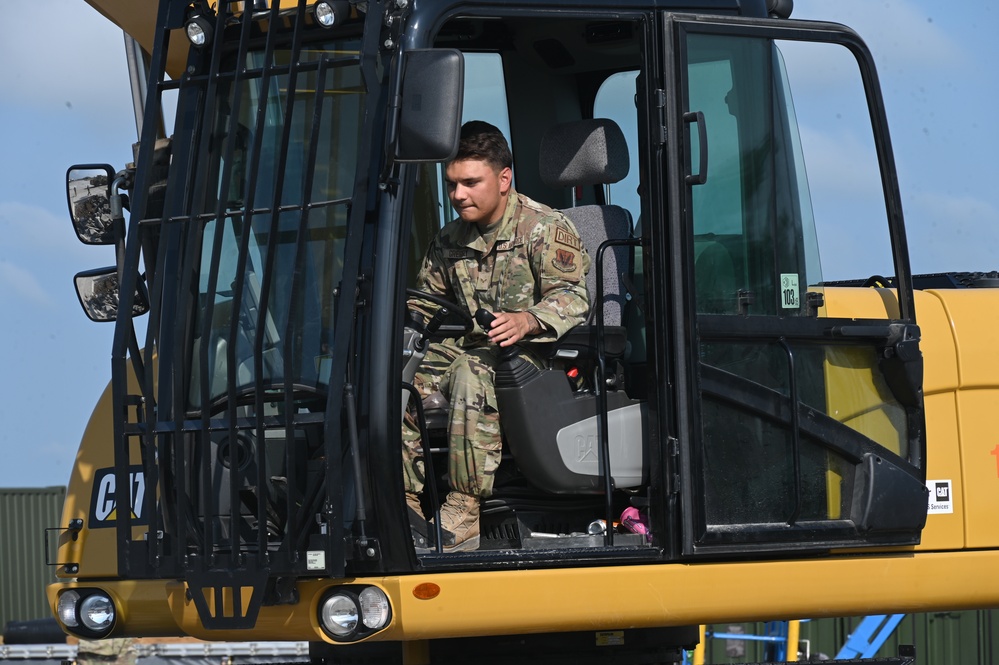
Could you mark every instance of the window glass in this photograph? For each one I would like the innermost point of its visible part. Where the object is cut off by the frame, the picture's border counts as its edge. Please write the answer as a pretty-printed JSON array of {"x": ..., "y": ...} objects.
[
  {"x": 792, "y": 198},
  {"x": 485, "y": 91},
  {"x": 719, "y": 202},
  {"x": 834, "y": 143},
  {"x": 616, "y": 100},
  {"x": 266, "y": 278}
]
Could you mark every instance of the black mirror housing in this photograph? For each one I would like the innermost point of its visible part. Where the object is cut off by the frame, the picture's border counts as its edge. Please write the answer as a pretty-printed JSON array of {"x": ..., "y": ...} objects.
[
  {"x": 430, "y": 116},
  {"x": 88, "y": 193}
]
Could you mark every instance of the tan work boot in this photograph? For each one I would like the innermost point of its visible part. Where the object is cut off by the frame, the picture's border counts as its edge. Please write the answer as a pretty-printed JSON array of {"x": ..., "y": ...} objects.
[
  {"x": 417, "y": 521},
  {"x": 413, "y": 501},
  {"x": 460, "y": 522}
]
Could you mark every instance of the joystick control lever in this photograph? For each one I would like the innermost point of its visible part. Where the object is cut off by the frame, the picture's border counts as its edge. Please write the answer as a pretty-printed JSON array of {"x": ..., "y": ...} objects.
[{"x": 485, "y": 319}]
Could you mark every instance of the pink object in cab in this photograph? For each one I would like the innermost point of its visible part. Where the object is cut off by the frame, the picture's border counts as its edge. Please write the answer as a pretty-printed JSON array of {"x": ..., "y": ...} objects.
[{"x": 635, "y": 522}]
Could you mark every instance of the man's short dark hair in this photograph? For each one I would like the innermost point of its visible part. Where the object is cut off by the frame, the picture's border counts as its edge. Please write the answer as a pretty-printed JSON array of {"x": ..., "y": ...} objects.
[{"x": 480, "y": 140}]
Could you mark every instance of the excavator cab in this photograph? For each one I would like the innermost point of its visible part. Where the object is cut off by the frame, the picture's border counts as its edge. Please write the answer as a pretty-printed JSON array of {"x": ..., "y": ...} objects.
[
  {"x": 749, "y": 383},
  {"x": 799, "y": 415}
]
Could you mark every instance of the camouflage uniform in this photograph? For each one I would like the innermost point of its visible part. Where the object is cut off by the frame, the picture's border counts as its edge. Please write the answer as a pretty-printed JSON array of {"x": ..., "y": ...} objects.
[
  {"x": 534, "y": 261},
  {"x": 109, "y": 650}
]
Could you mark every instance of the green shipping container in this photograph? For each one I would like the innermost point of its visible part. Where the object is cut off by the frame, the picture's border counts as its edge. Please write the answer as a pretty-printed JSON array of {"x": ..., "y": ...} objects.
[{"x": 24, "y": 516}]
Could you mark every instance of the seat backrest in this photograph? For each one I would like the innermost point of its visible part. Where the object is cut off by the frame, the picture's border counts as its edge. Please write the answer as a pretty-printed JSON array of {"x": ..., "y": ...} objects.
[{"x": 585, "y": 153}]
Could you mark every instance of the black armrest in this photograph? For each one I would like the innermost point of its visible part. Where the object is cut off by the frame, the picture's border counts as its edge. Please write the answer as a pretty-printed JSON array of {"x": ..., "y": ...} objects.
[{"x": 581, "y": 341}]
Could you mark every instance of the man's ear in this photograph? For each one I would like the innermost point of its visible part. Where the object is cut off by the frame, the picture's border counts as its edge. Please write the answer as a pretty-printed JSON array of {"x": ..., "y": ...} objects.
[{"x": 506, "y": 180}]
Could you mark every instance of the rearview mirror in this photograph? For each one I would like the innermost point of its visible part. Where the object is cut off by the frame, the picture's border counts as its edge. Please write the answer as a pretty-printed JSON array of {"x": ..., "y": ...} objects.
[
  {"x": 88, "y": 192},
  {"x": 98, "y": 291},
  {"x": 430, "y": 116}
]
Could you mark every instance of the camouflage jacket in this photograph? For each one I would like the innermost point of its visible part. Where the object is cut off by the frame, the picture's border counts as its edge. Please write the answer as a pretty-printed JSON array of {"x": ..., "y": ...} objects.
[{"x": 535, "y": 262}]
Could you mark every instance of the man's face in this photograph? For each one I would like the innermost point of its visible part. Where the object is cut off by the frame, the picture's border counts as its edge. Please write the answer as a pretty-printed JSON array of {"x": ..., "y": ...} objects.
[{"x": 477, "y": 190}]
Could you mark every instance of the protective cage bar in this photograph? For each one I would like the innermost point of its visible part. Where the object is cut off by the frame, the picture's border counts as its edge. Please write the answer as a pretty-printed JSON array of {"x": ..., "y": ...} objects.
[{"x": 198, "y": 469}]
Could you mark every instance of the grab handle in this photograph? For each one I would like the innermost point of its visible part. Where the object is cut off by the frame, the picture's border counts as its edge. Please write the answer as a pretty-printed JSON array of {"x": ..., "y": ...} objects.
[{"x": 701, "y": 177}]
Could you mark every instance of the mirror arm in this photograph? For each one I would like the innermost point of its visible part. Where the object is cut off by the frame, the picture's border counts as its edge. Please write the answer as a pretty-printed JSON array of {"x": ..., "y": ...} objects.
[
  {"x": 393, "y": 113},
  {"x": 121, "y": 181}
]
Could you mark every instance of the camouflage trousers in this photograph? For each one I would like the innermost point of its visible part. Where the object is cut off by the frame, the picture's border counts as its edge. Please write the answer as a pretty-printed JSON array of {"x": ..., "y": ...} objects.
[{"x": 475, "y": 437}]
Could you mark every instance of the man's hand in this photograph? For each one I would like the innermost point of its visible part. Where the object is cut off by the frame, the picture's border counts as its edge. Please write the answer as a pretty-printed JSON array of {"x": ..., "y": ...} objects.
[{"x": 511, "y": 327}]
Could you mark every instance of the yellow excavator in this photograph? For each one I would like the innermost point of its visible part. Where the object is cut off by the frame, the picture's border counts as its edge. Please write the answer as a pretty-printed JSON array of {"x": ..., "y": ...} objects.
[{"x": 766, "y": 415}]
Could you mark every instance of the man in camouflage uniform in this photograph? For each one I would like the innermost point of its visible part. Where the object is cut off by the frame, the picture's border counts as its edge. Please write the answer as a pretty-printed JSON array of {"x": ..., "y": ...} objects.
[{"x": 516, "y": 258}]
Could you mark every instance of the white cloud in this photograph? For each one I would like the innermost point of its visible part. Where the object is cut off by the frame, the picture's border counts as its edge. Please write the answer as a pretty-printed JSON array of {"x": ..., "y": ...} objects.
[
  {"x": 39, "y": 255},
  {"x": 21, "y": 285},
  {"x": 946, "y": 232},
  {"x": 30, "y": 228},
  {"x": 840, "y": 165},
  {"x": 932, "y": 63}
]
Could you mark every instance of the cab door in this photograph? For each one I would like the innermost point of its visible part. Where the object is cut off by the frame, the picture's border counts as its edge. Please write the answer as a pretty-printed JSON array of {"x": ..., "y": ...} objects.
[{"x": 798, "y": 370}]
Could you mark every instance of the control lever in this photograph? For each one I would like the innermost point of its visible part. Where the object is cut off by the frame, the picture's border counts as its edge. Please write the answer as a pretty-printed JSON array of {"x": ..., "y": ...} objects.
[
  {"x": 437, "y": 320},
  {"x": 485, "y": 319},
  {"x": 513, "y": 369}
]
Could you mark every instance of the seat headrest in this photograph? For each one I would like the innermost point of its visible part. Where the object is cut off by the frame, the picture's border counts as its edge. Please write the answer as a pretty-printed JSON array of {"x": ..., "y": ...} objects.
[{"x": 582, "y": 153}]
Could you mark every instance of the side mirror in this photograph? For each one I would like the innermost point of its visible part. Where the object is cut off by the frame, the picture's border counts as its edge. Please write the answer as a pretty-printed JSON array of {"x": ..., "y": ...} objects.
[
  {"x": 88, "y": 192},
  {"x": 433, "y": 82},
  {"x": 98, "y": 292}
]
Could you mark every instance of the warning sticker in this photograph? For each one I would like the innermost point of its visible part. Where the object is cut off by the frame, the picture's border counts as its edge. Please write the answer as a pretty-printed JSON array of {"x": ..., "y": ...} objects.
[
  {"x": 315, "y": 560},
  {"x": 789, "y": 298},
  {"x": 941, "y": 497}
]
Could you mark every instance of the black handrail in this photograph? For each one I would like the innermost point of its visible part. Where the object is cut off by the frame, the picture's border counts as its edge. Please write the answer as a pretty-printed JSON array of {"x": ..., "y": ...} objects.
[{"x": 600, "y": 388}]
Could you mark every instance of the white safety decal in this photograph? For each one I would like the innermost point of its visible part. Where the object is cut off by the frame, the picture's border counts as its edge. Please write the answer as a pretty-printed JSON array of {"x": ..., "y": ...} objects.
[
  {"x": 789, "y": 298},
  {"x": 941, "y": 497}
]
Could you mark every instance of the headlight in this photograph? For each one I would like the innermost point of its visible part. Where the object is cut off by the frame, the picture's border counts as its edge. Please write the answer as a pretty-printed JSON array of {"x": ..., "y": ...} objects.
[
  {"x": 339, "y": 615},
  {"x": 66, "y": 608},
  {"x": 97, "y": 613},
  {"x": 199, "y": 31},
  {"x": 374, "y": 607},
  {"x": 331, "y": 12},
  {"x": 353, "y": 612},
  {"x": 88, "y": 613}
]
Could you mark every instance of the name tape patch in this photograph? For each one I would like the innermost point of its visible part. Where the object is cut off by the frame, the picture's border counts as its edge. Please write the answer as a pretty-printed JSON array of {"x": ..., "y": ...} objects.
[{"x": 564, "y": 237}]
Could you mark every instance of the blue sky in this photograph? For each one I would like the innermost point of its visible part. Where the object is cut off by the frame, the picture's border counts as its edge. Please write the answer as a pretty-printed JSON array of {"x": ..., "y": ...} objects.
[{"x": 66, "y": 100}]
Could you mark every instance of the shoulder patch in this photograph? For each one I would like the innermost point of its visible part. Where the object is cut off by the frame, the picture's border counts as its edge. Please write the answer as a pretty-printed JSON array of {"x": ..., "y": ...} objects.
[
  {"x": 567, "y": 238},
  {"x": 564, "y": 261}
]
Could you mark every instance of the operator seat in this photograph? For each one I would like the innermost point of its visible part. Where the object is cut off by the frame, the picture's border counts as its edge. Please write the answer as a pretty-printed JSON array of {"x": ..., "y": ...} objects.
[
  {"x": 550, "y": 428},
  {"x": 584, "y": 153}
]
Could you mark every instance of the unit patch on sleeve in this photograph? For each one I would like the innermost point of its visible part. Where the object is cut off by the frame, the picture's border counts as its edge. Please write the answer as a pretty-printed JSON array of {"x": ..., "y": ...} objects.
[{"x": 564, "y": 261}]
